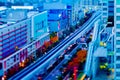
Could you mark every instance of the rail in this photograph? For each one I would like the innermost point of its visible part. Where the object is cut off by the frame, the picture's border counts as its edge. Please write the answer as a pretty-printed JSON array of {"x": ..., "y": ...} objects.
[{"x": 54, "y": 51}]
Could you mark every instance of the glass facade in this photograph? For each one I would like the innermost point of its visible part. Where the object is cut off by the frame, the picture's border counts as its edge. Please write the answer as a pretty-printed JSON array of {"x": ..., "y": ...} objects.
[{"x": 117, "y": 40}]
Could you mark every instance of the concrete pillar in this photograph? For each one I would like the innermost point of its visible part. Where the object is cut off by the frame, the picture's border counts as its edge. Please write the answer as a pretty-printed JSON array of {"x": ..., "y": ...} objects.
[{"x": 95, "y": 66}]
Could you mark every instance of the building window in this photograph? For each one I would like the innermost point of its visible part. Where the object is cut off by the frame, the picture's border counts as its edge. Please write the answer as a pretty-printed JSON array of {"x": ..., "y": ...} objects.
[
  {"x": 117, "y": 34},
  {"x": 118, "y": 26},
  {"x": 118, "y": 18},
  {"x": 118, "y": 57},
  {"x": 105, "y": 9},
  {"x": 111, "y": 11},
  {"x": 117, "y": 73},
  {"x": 105, "y": 14},
  {"x": 117, "y": 65},
  {"x": 118, "y": 2},
  {"x": 104, "y": 4},
  {"x": 118, "y": 42},
  {"x": 118, "y": 10},
  {"x": 111, "y": 2},
  {"x": 118, "y": 51},
  {"x": 0, "y": 65},
  {"x": 43, "y": 23}
]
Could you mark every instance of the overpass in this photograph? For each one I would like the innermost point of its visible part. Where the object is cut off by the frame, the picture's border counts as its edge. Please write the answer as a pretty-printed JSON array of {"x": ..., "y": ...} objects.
[
  {"x": 95, "y": 52},
  {"x": 41, "y": 63}
]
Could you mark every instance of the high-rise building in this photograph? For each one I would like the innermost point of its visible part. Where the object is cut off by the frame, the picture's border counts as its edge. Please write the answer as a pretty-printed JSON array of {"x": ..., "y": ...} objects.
[
  {"x": 74, "y": 8},
  {"x": 117, "y": 39},
  {"x": 105, "y": 11},
  {"x": 110, "y": 7},
  {"x": 110, "y": 13}
]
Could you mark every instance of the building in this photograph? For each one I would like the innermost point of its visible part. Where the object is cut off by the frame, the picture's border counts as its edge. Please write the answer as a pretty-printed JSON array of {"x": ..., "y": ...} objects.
[
  {"x": 110, "y": 7},
  {"x": 117, "y": 39},
  {"x": 57, "y": 16},
  {"x": 20, "y": 38},
  {"x": 105, "y": 11},
  {"x": 13, "y": 32},
  {"x": 110, "y": 13},
  {"x": 57, "y": 19},
  {"x": 73, "y": 7}
]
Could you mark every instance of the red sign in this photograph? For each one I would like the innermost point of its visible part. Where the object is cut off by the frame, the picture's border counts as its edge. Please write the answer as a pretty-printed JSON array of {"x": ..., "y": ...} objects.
[{"x": 4, "y": 64}]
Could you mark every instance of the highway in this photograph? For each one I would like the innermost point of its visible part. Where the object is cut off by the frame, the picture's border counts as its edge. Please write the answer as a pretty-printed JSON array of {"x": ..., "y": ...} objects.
[{"x": 27, "y": 73}]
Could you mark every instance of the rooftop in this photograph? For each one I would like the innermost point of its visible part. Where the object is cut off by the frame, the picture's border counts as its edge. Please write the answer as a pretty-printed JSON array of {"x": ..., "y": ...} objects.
[{"x": 15, "y": 14}]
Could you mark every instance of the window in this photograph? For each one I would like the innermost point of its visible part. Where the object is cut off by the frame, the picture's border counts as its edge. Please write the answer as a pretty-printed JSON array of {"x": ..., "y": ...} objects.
[
  {"x": 109, "y": 59},
  {"x": 118, "y": 10},
  {"x": 118, "y": 2},
  {"x": 104, "y": 4},
  {"x": 117, "y": 65},
  {"x": 118, "y": 50},
  {"x": 118, "y": 42},
  {"x": 43, "y": 23},
  {"x": 111, "y": 2},
  {"x": 5, "y": 41},
  {"x": 117, "y": 34},
  {"x": 0, "y": 65},
  {"x": 1, "y": 34},
  {"x": 105, "y": 9},
  {"x": 105, "y": 14},
  {"x": 118, "y": 18},
  {"x": 118, "y": 57},
  {"x": 117, "y": 73}
]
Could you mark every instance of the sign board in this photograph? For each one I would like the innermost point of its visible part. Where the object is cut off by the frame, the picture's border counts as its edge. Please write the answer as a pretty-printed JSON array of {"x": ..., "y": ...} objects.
[{"x": 39, "y": 24}]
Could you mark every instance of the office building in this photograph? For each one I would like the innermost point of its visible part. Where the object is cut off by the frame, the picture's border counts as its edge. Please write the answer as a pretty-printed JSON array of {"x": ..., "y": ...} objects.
[
  {"x": 117, "y": 39},
  {"x": 21, "y": 34}
]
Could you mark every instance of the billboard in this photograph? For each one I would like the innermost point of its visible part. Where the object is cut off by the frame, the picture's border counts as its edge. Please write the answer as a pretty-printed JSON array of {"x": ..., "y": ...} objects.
[{"x": 39, "y": 24}]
